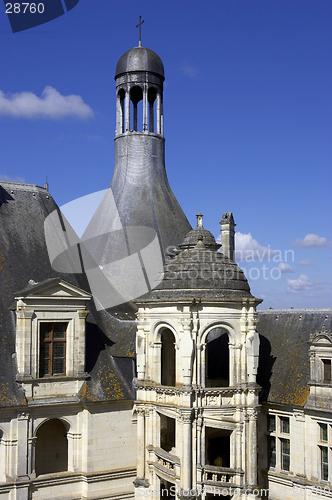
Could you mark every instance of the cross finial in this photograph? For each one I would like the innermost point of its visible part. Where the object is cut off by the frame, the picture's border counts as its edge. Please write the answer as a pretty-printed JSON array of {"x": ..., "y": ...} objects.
[{"x": 140, "y": 30}]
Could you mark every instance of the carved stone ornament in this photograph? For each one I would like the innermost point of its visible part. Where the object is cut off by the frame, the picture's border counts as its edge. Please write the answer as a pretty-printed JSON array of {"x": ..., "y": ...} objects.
[
  {"x": 23, "y": 416},
  {"x": 299, "y": 415},
  {"x": 323, "y": 334},
  {"x": 186, "y": 418}
]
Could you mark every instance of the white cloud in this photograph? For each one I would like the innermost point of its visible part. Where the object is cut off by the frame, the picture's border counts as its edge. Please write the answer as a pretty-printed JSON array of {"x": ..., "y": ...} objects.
[
  {"x": 302, "y": 284},
  {"x": 247, "y": 248},
  {"x": 50, "y": 105},
  {"x": 189, "y": 71},
  {"x": 306, "y": 262},
  {"x": 285, "y": 268},
  {"x": 9, "y": 178},
  {"x": 310, "y": 241}
]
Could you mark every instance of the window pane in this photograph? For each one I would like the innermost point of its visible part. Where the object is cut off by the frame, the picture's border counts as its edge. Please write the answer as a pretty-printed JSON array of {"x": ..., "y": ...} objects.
[
  {"x": 327, "y": 370},
  {"x": 59, "y": 330},
  {"x": 58, "y": 366},
  {"x": 44, "y": 351},
  {"x": 44, "y": 367},
  {"x": 325, "y": 464},
  {"x": 325, "y": 472},
  {"x": 271, "y": 451},
  {"x": 271, "y": 423},
  {"x": 285, "y": 454},
  {"x": 285, "y": 462},
  {"x": 59, "y": 350},
  {"x": 284, "y": 424},
  {"x": 285, "y": 446},
  {"x": 45, "y": 331},
  {"x": 323, "y": 432}
]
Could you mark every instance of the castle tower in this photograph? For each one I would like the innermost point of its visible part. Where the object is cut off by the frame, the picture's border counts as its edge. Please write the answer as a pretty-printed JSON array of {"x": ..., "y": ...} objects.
[
  {"x": 139, "y": 193},
  {"x": 197, "y": 397}
]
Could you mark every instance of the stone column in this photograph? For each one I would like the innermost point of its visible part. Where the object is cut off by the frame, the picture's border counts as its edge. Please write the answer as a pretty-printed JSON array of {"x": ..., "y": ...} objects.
[
  {"x": 252, "y": 446},
  {"x": 186, "y": 351},
  {"x": 79, "y": 342},
  {"x": 73, "y": 451},
  {"x": 140, "y": 443},
  {"x": 32, "y": 457},
  {"x": 161, "y": 116},
  {"x": 127, "y": 114},
  {"x": 186, "y": 419},
  {"x": 145, "y": 109},
  {"x": 140, "y": 349},
  {"x": 237, "y": 447},
  {"x": 118, "y": 115},
  {"x": 202, "y": 363},
  {"x": 24, "y": 341},
  {"x": 232, "y": 364},
  {"x": 158, "y": 114},
  {"x": 22, "y": 445}
]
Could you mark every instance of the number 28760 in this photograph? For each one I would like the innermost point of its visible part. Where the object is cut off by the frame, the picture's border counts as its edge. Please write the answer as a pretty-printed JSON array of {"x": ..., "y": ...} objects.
[{"x": 17, "y": 8}]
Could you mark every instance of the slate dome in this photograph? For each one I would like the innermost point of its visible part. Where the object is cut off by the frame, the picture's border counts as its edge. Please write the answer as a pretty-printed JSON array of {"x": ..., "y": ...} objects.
[
  {"x": 139, "y": 59},
  {"x": 200, "y": 271},
  {"x": 199, "y": 234}
]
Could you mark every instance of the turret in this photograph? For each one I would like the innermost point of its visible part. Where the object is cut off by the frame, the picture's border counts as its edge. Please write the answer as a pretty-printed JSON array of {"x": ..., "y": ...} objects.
[{"x": 139, "y": 198}]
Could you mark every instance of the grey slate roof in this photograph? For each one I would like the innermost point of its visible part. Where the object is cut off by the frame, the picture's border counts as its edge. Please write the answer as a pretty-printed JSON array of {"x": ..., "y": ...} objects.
[
  {"x": 24, "y": 256},
  {"x": 284, "y": 352},
  {"x": 140, "y": 195},
  {"x": 110, "y": 342},
  {"x": 200, "y": 272}
]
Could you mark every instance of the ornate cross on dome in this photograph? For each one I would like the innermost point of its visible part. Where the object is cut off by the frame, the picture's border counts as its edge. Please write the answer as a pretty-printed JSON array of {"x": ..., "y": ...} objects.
[{"x": 140, "y": 30}]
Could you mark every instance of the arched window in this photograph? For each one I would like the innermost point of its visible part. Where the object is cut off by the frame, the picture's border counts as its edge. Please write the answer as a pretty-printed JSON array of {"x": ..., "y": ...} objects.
[
  {"x": 51, "y": 448},
  {"x": 217, "y": 358},
  {"x": 152, "y": 94},
  {"x": 121, "y": 119},
  {"x": 167, "y": 358},
  {"x": 136, "y": 96}
]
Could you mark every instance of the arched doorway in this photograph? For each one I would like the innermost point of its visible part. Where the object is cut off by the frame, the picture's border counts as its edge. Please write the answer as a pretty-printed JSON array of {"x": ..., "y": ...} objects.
[
  {"x": 217, "y": 358},
  {"x": 51, "y": 447},
  {"x": 167, "y": 358}
]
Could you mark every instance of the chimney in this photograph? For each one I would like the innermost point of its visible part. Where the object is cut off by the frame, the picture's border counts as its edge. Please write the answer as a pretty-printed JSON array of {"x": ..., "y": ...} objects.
[{"x": 227, "y": 235}]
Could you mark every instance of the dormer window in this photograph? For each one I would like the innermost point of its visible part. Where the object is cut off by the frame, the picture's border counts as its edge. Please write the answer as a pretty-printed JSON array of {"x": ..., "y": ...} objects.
[
  {"x": 321, "y": 357},
  {"x": 327, "y": 370},
  {"x": 50, "y": 338},
  {"x": 52, "y": 359}
]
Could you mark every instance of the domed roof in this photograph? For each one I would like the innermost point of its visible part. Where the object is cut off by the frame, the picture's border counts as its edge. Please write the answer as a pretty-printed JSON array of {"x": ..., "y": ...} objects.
[
  {"x": 199, "y": 271},
  {"x": 139, "y": 59},
  {"x": 199, "y": 234}
]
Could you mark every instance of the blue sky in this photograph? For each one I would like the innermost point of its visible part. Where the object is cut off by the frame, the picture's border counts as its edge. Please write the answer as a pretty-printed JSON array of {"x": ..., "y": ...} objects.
[{"x": 247, "y": 104}]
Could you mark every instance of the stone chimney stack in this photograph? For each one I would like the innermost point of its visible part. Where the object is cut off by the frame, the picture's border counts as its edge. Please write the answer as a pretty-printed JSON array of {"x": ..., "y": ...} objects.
[{"x": 227, "y": 235}]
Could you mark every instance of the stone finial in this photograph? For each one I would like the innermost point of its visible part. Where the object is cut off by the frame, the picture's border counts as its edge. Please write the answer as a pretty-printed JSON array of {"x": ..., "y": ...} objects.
[{"x": 199, "y": 220}]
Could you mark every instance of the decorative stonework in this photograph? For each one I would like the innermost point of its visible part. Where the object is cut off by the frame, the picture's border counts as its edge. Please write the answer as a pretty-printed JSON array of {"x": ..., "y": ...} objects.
[
  {"x": 299, "y": 415},
  {"x": 315, "y": 337}
]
